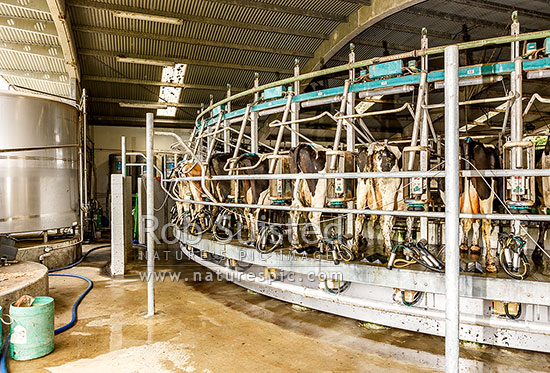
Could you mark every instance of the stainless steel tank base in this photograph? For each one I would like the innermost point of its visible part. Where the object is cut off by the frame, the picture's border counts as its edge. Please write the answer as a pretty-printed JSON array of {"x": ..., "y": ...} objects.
[{"x": 39, "y": 188}]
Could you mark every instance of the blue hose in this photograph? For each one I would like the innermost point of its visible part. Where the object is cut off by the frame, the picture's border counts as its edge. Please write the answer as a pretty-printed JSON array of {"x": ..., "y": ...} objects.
[
  {"x": 5, "y": 346},
  {"x": 77, "y": 303},
  {"x": 3, "y": 367}
]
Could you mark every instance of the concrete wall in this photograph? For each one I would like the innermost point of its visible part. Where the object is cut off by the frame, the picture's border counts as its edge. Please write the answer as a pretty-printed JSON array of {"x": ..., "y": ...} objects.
[{"x": 107, "y": 141}]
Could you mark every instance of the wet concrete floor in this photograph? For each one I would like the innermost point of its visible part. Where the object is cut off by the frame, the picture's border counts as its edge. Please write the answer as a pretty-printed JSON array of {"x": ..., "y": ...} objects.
[{"x": 220, "y": 327}]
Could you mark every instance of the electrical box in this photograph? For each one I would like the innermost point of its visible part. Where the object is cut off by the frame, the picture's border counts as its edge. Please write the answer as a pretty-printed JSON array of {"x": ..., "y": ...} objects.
[
  {"x": 386, "y": 69},
  {"x": 280, "y": 190},
  {"x": 412, "y": 64},
  {"x": 547, "y": 46},
  {"x": 275, "y": 92},
  {"x": 217, "y": 110},
  {"x": 341, "y": 190},
  {"x": 531, "y": 47}
]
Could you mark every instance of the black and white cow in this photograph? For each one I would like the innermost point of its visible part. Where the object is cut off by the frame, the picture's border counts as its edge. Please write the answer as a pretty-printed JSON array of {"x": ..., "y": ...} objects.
[
  {"x": 307, "y": 158},
  {"x": 378, "y": 193}
]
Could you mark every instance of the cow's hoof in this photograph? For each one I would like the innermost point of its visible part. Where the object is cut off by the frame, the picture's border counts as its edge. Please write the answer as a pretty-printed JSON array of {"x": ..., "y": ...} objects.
[
  {"x": 463, "y": 248},
  {"x": 475, "y": 249},
  {"x": 546, "y": 270},
  {"x": 491, "y": 268}
]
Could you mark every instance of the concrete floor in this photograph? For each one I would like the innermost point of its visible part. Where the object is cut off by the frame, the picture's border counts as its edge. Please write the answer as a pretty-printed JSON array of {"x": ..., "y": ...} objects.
[{"x": 220, "y": 327}]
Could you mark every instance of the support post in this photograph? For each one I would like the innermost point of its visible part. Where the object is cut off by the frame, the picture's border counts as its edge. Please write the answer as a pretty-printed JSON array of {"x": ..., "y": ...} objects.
[
  {"x": 226, "y": 125},
  {"x": 452, "y": 210},
  {"x": 254, "y": 120},
  {"x": 424, "y": 132},
  {"x": 123, "y": 154},
  {"x": 295, "y": 109},
  {"x": 150, "y": 215},
  {"x": 350, "y": 132}
]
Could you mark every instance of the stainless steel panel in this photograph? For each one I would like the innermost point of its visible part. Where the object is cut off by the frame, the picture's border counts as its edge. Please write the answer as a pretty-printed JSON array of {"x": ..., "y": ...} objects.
[{"x": 39, "y": 188}]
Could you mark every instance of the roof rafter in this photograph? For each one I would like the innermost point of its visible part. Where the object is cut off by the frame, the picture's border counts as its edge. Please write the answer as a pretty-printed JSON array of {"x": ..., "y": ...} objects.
[
  {"x": 171, "y": 60},
  {"x": 416, "y": 31},
  {"x": 461, "y": 19},
  {"x": 29, "y": 25},
  {"x": 63, "y": 26},
  {"x": 36, "y": 75},
  {"x": 108, "y": 79},
  {"x": 195, "y": 19},
  {"x": 38, "y": 5},
  {"x": 177, "y": 39},
  {"x": 112, "y": 100},
  {"x": 49, "y": 51},
  {"x": 253, "y": 4},
  {"x": 504, "y": 8},
  {"x": 359, "y": 21}
]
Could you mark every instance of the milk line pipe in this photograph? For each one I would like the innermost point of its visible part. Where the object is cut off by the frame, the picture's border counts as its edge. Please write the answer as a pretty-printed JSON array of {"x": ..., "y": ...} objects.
[
  {"x": 214, "y": 138},
  {"x": 538, "y": 97},
  {"x": 123, "y": 152},
  {"x": 232, "y": 130},
  {"x": 193, "y": 155},
  {"x": 367, "y": 175},
  {"x": 340, "y": 124},
  {"x": 412, "y": 54},
  {"x": 281, "y": 133},
  {"x": 85, "y": 144},
  {"x": 400, "y": 213},
  {"x": 511, "y": 96}
]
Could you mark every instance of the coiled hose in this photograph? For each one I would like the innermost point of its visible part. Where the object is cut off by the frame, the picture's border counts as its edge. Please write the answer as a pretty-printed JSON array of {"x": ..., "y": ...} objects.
[{"x": 70, "y": 324}]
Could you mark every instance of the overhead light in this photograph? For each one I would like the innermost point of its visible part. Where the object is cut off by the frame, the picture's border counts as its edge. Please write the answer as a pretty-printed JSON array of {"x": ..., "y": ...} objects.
[
  {"x": 147, "y": 17},
  {"x": 168, "y": 95},
  {"x": 471, "y": 81},
  {"x": 139, "y": 105},
  {"x": 386, "y": 91},
  {"x": 144, "y": 61},
  {"x": 537, "y": 74}
]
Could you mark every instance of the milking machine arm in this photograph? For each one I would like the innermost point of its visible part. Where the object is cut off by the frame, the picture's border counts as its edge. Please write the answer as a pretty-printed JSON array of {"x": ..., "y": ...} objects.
[
  {"x": 419, "y": 253},
  {"x": 511, "y": 254}
]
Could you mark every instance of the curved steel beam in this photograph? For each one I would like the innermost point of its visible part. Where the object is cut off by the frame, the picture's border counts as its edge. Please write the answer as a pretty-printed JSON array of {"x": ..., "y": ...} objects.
[{"x": 358, "y": 22}]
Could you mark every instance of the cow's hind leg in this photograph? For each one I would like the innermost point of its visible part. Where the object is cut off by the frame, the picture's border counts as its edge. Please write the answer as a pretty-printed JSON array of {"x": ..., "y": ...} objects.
[
  {"x": 474, "y": 247},
  {"x": 387, "y": 225},
  {"x": 489, "y": 252}
]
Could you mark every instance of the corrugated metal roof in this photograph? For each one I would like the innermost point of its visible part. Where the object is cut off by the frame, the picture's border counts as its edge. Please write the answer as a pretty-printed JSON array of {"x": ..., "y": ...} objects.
[{"x": 19, "y": 62}]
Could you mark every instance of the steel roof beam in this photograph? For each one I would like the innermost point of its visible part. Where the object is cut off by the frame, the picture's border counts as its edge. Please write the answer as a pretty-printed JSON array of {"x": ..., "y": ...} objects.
[
  {"x": 177, "y": 39},
  {"x": 415, "y": 31},
  {"x": 282, "y": 9},
  {"x": 379, "y": 44},
  {"x": 111, "y": 100},
  {"x": 36, "y": 50},
  {"x": 504, "y": 8},
  {"x": 38, "y": 5},
  {"x": 195, "y": 19},
  {"x": 358, "y": 22},
  {"x": 62, "y": 23},
  {"x": 172, "y": 60},
  {"x": 107, "y": 79},
  {"x": 108, "y": 118},
  {"x": 461, "y": 19},
  {"x": 30, "y": 25},
  {"x": 36, "y": 75}
]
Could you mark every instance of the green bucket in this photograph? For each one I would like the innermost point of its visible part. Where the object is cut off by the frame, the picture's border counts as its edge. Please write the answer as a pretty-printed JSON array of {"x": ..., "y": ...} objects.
[{"x": 32, "y": 329}]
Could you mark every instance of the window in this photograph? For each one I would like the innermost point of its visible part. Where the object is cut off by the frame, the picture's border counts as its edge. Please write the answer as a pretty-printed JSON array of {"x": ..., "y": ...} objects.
[{"x": 171, "y": 74}]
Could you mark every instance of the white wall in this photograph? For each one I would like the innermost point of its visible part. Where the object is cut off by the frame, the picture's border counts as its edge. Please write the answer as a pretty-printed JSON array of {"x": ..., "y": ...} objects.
[{"x": 107, "y": 141}]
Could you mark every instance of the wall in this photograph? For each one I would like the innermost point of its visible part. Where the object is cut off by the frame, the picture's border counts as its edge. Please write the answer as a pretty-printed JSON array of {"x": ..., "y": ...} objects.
[{"x": 107, "y": 141}]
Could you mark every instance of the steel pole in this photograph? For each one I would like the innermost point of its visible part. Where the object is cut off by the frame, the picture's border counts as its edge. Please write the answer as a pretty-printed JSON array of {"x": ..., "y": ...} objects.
[
  {"x": 295, "y": 111},
  {"x": 452, "y": 211},
  {"x": 123, "y": 154},
  {"x": 150, "y": 215}
]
